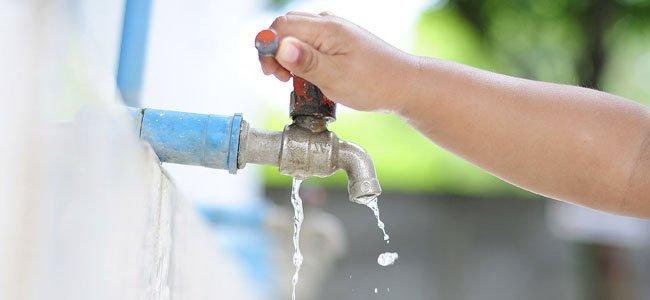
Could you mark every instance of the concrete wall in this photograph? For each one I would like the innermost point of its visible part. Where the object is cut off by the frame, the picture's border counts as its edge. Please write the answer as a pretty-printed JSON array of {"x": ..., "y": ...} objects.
[
  {"x": 94, "y": 216},
  {"x": 86, "y": 210}
]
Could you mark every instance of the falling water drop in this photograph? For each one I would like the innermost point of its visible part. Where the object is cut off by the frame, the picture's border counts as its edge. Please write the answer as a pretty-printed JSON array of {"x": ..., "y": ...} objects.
[{"x": 387, "y": 258}]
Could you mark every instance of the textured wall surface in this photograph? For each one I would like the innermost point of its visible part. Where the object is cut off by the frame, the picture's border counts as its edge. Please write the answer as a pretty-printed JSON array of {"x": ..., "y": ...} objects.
[
  {"x": 86, "y": 210},
  {"x": 96, "y": 217}
]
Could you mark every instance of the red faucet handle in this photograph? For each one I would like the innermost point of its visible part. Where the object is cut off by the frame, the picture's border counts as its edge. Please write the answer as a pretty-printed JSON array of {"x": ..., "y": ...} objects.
[
  {"x": 306, "y": 98},
  {"x": 267, "y": 42}
]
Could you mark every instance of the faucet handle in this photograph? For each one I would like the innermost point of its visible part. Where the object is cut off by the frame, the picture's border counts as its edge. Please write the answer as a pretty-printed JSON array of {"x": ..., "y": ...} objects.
[
  {"x": 306, "y": 99},
  {"x": 267, "y": 42}
]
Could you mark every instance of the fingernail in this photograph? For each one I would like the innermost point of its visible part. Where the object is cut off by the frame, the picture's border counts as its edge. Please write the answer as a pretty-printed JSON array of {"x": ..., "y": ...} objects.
[{"x": 288, "y": 51}]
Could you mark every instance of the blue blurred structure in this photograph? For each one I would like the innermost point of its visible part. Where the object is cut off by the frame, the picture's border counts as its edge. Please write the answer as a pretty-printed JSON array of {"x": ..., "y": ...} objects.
[
  {"x": 242, "y": 231},
  {"x": 133, "y": 49}
]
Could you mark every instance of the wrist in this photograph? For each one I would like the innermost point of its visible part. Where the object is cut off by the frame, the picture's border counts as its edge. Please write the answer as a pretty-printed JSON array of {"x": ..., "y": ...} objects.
[{"x": 410, "y": 87}]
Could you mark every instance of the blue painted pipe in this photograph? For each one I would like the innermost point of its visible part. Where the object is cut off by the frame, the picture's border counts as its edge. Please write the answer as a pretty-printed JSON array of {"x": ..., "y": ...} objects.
[
  {"x": 133, "y": 48},
  {"x": 192, "y": 139}
]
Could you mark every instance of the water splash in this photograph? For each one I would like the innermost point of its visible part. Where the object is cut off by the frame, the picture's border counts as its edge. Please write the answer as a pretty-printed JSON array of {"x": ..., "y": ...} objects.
[
  {"x": 387, "y": 258},
  {"x": 298, "y": 216}
]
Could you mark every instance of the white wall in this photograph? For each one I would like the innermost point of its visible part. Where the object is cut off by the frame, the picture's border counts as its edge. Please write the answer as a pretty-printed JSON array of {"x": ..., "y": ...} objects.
[{"x": 86, "y": 211}]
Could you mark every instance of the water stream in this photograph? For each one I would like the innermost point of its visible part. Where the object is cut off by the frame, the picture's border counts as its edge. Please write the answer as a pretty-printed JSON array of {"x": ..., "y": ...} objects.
[
  {"x": 298, "y": 216},
  {"x": 386, "y": 258},
  {"x": 372, "y": 204}
]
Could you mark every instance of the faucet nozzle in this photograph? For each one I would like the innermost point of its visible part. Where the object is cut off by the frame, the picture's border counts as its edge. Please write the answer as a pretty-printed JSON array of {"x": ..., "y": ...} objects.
[{"x": 363, "y": 185}]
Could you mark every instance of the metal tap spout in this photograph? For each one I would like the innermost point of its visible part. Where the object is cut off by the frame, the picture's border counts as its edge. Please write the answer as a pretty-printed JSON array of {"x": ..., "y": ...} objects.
[
  {"x": 306, "y": 148},
  {"x": 362, "y": 179}
]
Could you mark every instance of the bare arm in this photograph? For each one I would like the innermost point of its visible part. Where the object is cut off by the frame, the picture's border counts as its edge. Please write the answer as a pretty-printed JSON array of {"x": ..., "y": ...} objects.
[{"x": 568, "y": 143}]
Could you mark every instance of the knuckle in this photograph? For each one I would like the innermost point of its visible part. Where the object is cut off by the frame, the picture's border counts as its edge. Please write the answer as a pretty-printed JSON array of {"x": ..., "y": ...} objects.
[
  {"x": 279, "y": 22},
  {"x": 330, "y": 17},
  {"x": 332, "y": 27},
  {"x": 331, "y": 31}
]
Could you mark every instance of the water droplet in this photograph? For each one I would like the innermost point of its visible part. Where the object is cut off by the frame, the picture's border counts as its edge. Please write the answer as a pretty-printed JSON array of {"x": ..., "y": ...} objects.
[{"x": 387, "y": 258}]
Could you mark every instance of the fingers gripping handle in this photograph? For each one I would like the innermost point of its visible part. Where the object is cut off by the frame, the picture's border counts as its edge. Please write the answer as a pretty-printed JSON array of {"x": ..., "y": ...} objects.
[{"x": 306, "y": 99}]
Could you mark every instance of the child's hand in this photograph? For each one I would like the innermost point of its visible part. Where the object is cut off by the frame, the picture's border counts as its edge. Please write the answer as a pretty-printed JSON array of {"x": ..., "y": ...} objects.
[{"x": 349, "y": 64}]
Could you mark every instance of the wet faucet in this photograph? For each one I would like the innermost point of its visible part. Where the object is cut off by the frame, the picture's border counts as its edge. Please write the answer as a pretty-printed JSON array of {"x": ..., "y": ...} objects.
[{"x": 303, "y": 149}]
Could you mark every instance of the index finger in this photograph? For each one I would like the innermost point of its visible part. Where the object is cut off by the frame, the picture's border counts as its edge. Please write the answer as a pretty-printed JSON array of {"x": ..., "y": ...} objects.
[{"x": 303, "y": 27}]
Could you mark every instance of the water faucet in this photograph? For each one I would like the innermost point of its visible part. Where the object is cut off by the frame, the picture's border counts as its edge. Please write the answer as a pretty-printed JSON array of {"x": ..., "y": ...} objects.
[
  {"x": 303, "y": 149},
  {"x": 307, "y": 148}
]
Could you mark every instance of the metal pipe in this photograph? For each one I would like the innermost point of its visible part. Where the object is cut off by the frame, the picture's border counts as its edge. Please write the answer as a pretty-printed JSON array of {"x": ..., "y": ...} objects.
[
  {"x": 259, "y": 146},
  {"x": 303, "y": 149}
]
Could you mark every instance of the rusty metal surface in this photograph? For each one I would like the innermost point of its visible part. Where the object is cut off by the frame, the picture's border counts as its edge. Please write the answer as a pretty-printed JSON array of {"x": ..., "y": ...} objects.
[{"x": 308, "y": 100}]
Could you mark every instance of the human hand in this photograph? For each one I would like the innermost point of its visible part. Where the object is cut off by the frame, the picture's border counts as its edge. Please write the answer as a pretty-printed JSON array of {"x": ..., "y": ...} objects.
[{"x": 350, "y": 65}]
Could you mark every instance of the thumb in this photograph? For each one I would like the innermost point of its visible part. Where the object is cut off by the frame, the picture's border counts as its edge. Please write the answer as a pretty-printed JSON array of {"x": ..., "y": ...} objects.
[{"x": 303, "y": 60}]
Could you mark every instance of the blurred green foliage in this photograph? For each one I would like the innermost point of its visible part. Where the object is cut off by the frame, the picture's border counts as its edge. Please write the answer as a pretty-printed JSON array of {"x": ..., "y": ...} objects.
[
  {"x": 602, "y": 44},
  {"x": 277, "y": 4}
]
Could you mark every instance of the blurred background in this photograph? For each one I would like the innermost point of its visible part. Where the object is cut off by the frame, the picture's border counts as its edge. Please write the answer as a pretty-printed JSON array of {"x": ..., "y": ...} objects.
[{"x": 460, "y": 232}]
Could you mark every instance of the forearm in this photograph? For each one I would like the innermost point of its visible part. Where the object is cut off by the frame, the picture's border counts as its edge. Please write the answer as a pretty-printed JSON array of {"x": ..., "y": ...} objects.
[{"x": 568, "y": 143}]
